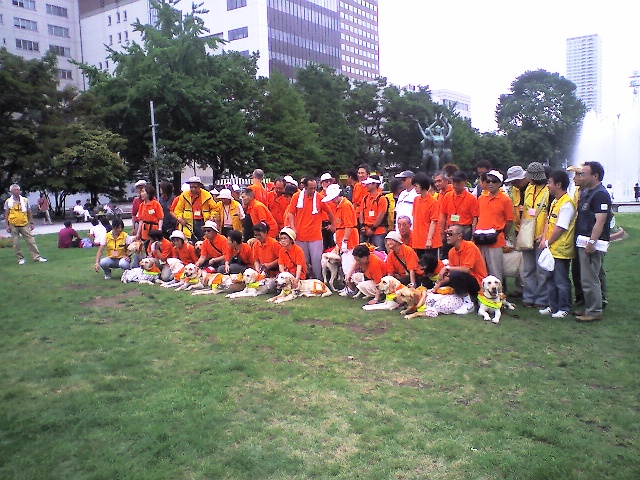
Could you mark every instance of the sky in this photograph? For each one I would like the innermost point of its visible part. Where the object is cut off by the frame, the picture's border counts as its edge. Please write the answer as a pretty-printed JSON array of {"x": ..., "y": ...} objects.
[{"x": 479, "y": 48}]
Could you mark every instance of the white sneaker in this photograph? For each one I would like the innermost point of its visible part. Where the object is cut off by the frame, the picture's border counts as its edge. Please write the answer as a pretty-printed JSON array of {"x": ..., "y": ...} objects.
[
  {"x": 560, "y": 314},
  {"x": 42, "y": 260},
  {"x": 107, "y": 277},
  {"x": 466, "y": 307},
  {"x": 22, "y": 261},
  {"x": 545, "y": 311}
]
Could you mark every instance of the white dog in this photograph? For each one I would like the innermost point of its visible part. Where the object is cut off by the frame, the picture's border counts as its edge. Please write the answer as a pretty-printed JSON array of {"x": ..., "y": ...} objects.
[
  {"x": 388, "y": 286},
  {"x": 306, "y": 288},
  {"x": 147, "y": 273},
  {"x": 492, "y": 299},
  {"x": 331, "y": 262},
  {"x": 176, "y": 267},
  {"x": 255, "y": 284}
]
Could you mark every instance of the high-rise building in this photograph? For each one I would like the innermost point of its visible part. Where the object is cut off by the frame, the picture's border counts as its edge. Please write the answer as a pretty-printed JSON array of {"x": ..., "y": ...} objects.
[
  {"x": 584, "y": 68},
  {"x": 30, "y": 28},
  {"x": 288, "y": 34},
  {"x": 456, "y": 101}
]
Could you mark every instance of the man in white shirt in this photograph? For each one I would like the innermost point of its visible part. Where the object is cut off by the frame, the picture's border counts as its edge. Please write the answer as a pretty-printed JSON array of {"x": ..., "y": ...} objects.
[
  {"x": 97, "y": 233},
  {"x": 80, "y": 211},
  {"x": 404, "y": 204}
]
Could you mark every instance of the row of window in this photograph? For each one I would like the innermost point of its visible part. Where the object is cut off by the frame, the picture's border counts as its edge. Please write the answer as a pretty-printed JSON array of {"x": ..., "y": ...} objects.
[
  {"x": 359, "y": 61},
  {"x": 352, "y": 18},
  {"x": 51, "y": 9},
  {"x": 304, "y": 42},
  {"x": 304, "y": 13},
  {"x": 238, "y": 33},
  {"x": 358, "y": 41},
  {"x": 119, "y": 37},
  {"x": 371, "y": 36},
  {"x": 357, "y": 51},
  {"x": 371, "y": 7},
  {"x": 124, "y": 18},
  {"x": 358, "y": 31},
  {"x": 288, "y": 59},
  {"x": 360, "y": 72},
  {"x": 25, "y": 24},
  {"x": 358, "y": 21},
  {"x": 233, "y": 4},
  {"x": 35, "y": 47}
]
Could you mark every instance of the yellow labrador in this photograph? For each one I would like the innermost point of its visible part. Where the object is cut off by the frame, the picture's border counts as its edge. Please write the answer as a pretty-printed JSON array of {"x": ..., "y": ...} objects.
[
  {"x": 388, "y": 286},
  {"x": 306, "y": 288},
  {"x": 491, "y": 299},
  {"x": 255, "y": 284}
]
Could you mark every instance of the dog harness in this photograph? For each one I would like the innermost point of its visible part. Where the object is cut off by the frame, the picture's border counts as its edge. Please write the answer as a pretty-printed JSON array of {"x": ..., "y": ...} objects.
[
  {"x": 390, "y": 297},
  {"x": 317, "y": 287},
  {"x": 190, "y": 281},
  {"x": 256, "y": 284},
  {"x": 154, "y": 271},
  {"x": 489, "y": 303}
]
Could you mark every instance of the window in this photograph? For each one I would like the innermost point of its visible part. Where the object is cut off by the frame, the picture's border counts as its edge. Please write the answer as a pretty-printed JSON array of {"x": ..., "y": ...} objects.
[
  {"x": 244, "y": 53},
  {"x": 108, "y": 19},
  {"x": 110, "y": 39},
  {"x": 28, "y": 4},
  {"x": 106, "y": 64},
  {"x": 119, "y": 37},
  {"x": 126, "y": 36},
  {"x": 56, "y": 10},
  {"x": 65, "y": 74},
  {"x": 100, "y": 65},
  {"x": 238, "y": 33},
  {"x": 124, "y": 16},
  {"x": 60, "y": 51},
  {"x": 58, "y": 31},
  {"x": 117, "y": 17},
  {"x": 233, "y": 4},
  {"x": 27, "y": 45},
  {"x": 25, "y": 24}
]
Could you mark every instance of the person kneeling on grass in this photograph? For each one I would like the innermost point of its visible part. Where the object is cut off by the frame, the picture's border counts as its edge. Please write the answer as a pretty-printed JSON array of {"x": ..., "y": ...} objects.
[
  {"x": 238, "y": 256},
  {"x": 115, "y": 243},
  {"x": 373, "y": 269}
]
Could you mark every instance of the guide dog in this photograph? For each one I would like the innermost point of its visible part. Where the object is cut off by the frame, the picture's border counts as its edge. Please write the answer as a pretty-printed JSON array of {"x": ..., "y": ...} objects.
[
  {"x": 147, "y": 273},
  {"x": 306, "y": 288},
  {"x": 331, "y": 263},
  {"x": 491, "y": 299},
  {"x": 255, "y": 284},
  {"x": 388, "y": 286}
]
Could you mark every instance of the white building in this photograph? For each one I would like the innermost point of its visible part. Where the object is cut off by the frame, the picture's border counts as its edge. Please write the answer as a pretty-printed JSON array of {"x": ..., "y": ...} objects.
[
  {"x": 32, "y": 27},
  {"x": 584, "y": 68},
  {"x": 458, "y": 102}
]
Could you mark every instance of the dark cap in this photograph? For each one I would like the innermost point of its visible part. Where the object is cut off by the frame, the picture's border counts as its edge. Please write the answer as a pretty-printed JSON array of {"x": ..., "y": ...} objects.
[{"x": 405, "y": 174}]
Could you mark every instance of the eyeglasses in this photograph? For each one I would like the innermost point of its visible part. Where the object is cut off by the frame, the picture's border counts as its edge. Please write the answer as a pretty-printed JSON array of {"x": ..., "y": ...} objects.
[
  {"x": 207, "y": 230},
  {"x": 448, "y": 234},
  {"x": 492, "y": 181}
]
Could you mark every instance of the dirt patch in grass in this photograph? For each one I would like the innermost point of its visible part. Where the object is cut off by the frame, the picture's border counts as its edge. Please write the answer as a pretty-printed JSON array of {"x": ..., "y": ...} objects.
[
  {"x": 411, "y": 382},
  {"x": 110, "y": 302},
  {"x": 76, "y": 286},
  {"x": 377, "y": 329}
]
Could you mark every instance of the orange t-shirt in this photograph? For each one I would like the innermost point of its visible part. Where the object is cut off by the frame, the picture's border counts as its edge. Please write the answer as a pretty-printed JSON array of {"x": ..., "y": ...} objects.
[
  {"x": 266, "y": 252},
  {"x": 408, "y": 256},
  {"x": 290, "y": 259},
  {"x": 425, "y": 210},
  {"x": 345, "y": 217},
  {"x": 215, "y": 249},
  {"x": 243, "y": 251},
  {"x": 160, "y": 252},
  {"x": 259, "y": 212},
  {"x": 357, "y": 196},
  {"x": 307, "y": 225},
  {"x": 439, "y": 195},
  {"x": 469, "y": 256},
  {"x": 465, "y": 206},
  {"x": 259, "y": 192},
  {"x": 186, "y": 254},
  {"x": 150, "y": 213},
  {"x": 277, "y": 206},
  {"x": 372, "y": 205},
  {"x": 494, "y": 212},
  {"x": 174, "y": 203},
  {"x": 376, "y": 269}
]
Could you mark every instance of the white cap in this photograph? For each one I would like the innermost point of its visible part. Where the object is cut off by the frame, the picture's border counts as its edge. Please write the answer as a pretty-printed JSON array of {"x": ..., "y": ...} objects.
[
  {"x": 215, "y": 192},
  {"x": 326, "y": 176},
  {"x": 225, "y": 194},
  {"x": 235, "y": 188},
  {"x": 496, "y": 174},
  {"x": 393, "y": 235},
  {"x": 211, "y": 224},
  {"x": 333, "y": 191},
  {"x": 289, "y": 179},
  {"x": 369, "y": 181},
  {"x": 195, "y": 179},
  {"x": 184, "y": 187},
  {"x": 140, "y": 183},
  {"x": 177, "y": 234}
]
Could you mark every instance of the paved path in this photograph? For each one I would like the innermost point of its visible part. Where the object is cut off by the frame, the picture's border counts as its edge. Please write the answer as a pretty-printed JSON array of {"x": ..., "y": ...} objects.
[{"x": 40, "y": 229}]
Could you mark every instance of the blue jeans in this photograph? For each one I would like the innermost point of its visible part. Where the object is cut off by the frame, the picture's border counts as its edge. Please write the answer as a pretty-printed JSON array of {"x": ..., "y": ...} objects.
[
  {"x": 107, "y": 264},
  {"x": 559, "y": 286}
]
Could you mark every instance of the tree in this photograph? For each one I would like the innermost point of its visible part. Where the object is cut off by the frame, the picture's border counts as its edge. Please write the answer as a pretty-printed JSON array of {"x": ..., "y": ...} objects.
[
  {"x": 496, "y": 149},
  {"x": 324, "y": 93},
  {"x": 541, "y": 117},
  {"x": 289, "y": 139}
]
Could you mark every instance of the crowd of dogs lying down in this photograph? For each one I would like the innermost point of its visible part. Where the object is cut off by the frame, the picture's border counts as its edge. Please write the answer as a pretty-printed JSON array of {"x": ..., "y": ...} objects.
[{"x": 413, "y": 302}]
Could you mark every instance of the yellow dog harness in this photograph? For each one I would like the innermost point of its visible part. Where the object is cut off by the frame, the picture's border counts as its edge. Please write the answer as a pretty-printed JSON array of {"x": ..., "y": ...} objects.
[{"x": 489, "y": 303}]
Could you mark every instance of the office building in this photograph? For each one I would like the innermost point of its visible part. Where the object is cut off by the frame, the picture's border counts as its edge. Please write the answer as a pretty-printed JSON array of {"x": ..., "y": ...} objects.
[
  {"x": 30, "y": 28},
  {"x": 584, "y": 68},
  {"x": 455, "y": 101}
]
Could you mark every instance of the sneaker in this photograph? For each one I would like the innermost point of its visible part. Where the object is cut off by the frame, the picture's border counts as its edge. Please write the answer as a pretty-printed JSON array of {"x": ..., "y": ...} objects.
[
  {"x": 560, "y": 314},
  {"x": 545, "y": 311},
  {"x": 42, "y": 260},
  {"x": 107, "y": 277},
  {"x": 465, "y": 308},
  {"x": 22, "y": 261}
]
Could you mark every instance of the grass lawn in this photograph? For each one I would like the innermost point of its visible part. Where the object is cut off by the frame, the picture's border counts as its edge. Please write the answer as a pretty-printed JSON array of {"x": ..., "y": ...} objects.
[{"x": 101, "y": 380}]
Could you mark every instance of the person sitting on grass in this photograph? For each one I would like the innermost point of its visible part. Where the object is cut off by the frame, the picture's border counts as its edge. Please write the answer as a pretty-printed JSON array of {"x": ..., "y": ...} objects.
[
  {"x": 115, "y": 244},
  {"x": 182, "y": 250},
  {"x": 68, "y": 237},
  {"x": 160, "y": 249},
  {"x": 238, "y": 256},
  {"x": 373, "y": 269},
  {"x": 291, "y": 257},
  {"x": 97, "y": 232}
]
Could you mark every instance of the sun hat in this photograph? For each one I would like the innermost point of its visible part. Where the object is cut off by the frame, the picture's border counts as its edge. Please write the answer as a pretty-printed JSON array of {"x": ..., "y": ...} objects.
[
  {"x": 140, "y": 183},
  {"x": 235, "y": 187},
  {"x": 395, "y": 236},
  {"x": 515, "y": 173},
  {"x": 574, "y": 168},
  {"x": 211, "y": 224},
  {"x": 225, "y": 194},
  {"x": 177, "y": 234},
  {"x": 405, "y": 174},
  {"x": 369, "y": 181},
  {"x": 535, "y": 171},
  {"x": 326, "y": 176},
  {"x": 215, "y": 192},
  {"x": 195, "y": 179},
  {"x": 289, "y": 179},
  {"x": 497, "y": 174},
  {"x": 289, "y": 233},
  {"x": 333, "y": 191}
]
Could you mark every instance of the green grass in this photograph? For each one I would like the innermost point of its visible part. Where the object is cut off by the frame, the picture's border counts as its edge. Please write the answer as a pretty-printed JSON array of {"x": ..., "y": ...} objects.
[{"x": 100, "y": 380}]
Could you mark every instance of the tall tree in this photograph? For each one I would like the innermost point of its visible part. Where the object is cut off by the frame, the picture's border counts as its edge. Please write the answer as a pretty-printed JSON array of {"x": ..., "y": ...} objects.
[
  {"x": 496, "y": 149},
  {"x": 541, "y": 117}
]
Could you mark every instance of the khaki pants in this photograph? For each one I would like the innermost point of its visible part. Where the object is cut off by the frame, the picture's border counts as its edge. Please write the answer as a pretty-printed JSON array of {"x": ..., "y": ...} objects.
[{"x": 28, "y": 237}]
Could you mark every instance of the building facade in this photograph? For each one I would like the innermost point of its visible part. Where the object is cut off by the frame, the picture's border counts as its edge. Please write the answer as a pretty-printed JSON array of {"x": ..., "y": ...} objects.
[
  {"x": 584, "y": 68},
  {"x": 455, "y": 101},
  {"x": 30, "y": 28}
]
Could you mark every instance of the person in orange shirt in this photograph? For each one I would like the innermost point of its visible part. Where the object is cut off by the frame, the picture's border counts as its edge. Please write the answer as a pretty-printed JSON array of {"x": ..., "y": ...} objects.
[
  {"x": 402, "y": 261},
  {"x": 277, "y": 202},
  {"x": 150, "y": 213},
  {"x": 359, "y": 189},
  {"x": 404, "y": 229},
  {"x": 182, "y": 250},
  {"x": 259, "y": 192},
  {"x": 373, "y": 216},
  {"x": 291, "y": 257},
  {"x": 305, "y": 217},
  {"x": 373, "y": 269},
  {"x": 160, "y": 249},
  {"x": 238, "y": 256},
  {"x": 495, "y": 212},
  {"x": 346, "y": 236},
  {"x": 442, "y": 184},
  {"x": 265, "y": 251},
  {"x": 327, "y": 235},
  {"x": 258, "y": 212},
  {"x": 426, "y": 217},
  {"x": 460, "y": 207},
  {"x": 465, "y": 271},
  {"x": 214, "y": 247}
]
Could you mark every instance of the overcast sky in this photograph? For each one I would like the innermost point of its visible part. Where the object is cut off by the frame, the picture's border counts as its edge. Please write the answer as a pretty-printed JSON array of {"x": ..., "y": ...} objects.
[{"x": 479, "y": 48}]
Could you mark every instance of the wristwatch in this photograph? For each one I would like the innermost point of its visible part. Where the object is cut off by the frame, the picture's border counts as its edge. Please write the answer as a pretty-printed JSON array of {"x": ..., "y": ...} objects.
[{"x": 591, "y": 242}]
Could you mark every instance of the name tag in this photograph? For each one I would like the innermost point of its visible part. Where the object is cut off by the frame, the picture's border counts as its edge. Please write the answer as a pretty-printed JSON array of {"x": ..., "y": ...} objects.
[
  {"x": 152, "y": 211},
  {"x": 455, "y": 218},
  {"x": 372, "y": 213},
  {"x": 114, "y": 253},
  {"x": 532, "y": 212},
  {"x": 197, "y": 213}
]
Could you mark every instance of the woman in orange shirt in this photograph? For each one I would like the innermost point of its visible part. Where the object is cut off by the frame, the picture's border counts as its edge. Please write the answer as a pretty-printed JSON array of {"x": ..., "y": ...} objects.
[
  {"x": 291, "y": 257},
  {"x": 150, "y": 213},
  {"x": 238, "y": 256},
  {"x": 425, "y": 236},
  {"x": 265, "y": 251},
  {"x": 182, "y": 250}
]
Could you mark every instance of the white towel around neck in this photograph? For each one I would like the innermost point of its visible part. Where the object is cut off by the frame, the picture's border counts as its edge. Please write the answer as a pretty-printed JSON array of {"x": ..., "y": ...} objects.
[{"x": 300, "y": 204}]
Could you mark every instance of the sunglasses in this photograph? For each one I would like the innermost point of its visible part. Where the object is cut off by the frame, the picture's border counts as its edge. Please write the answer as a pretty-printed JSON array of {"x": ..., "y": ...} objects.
[
  {"x": 492, "y": 181},
  {"x": 448, "y": 234}
]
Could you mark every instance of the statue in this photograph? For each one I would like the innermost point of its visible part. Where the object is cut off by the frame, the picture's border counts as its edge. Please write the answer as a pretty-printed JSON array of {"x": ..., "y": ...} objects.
[{"x": 436, "y": 144}]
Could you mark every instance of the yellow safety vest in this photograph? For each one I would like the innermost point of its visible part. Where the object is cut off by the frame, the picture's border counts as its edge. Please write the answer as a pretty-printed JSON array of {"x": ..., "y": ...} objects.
[
  {"x": 541, "y": 195},
  {"x": 563, "y": 246},
  {"x": 17, "y": 214}
]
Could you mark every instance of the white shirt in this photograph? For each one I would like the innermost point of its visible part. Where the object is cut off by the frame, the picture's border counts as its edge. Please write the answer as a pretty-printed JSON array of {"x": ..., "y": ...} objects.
[
  {"x": 404, "y": 205},
  {"x": 565, "y": 215},
  {"x": 99, "y": 234}
]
